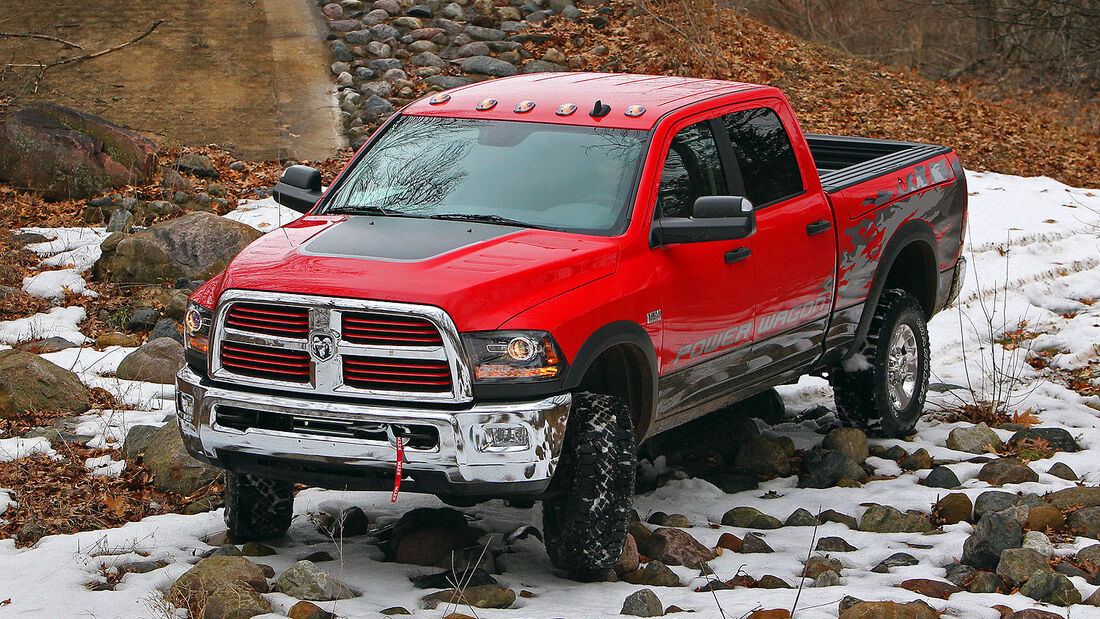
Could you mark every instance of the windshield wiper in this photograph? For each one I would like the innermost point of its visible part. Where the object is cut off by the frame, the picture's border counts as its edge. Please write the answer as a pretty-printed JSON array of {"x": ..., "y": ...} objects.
[
  {"x": 488, "y": 219},
  {"x": 366, "y": 210}
]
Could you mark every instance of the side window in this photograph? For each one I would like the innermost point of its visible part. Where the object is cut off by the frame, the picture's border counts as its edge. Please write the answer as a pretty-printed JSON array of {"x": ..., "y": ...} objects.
[
  {"x": 692, "y": 169},
  {"x": 764, "y": 153}
]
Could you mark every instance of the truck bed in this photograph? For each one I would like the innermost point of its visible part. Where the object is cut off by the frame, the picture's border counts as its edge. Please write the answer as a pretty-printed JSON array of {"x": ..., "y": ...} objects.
[{"x": 842, "y": 161}]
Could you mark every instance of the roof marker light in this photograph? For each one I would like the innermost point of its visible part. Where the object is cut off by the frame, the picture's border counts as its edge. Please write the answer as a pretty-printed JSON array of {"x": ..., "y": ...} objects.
[
  {"x": 439, "y": 98},
  {"x": 634, "y": 111},
  {"x": 524, "y": 106},
  {"x": 486, "y": 105},
  {"x": 566, "y": 109}
]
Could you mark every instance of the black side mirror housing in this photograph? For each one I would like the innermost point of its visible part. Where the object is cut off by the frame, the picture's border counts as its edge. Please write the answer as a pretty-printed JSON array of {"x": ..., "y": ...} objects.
[
  {"x": 713, "y": 218},
  {"x": 299, "y": 188}
]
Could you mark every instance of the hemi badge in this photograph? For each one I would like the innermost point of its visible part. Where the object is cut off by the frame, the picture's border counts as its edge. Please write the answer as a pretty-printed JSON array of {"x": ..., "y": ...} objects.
[
  {"x": 634, "y": 111},
  {"x": 524, "y": 106},
  {"x": 566, "y": 109},
  {"x": 652, "y": 317},
  {"x": 439, "y": 98},
  {"x": 486, "y": 104}
]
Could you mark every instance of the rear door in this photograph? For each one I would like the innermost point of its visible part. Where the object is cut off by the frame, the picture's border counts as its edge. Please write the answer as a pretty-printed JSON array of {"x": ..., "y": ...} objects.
[{"x": 794, "y": 250}]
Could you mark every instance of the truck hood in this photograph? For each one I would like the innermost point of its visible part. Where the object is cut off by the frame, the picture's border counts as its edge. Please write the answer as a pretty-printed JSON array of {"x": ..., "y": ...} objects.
[{"x": 481, "y": 274}]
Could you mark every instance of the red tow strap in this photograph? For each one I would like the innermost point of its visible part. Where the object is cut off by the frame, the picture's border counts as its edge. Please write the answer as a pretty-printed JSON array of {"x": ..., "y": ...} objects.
[{"x": 397, "y": 471}]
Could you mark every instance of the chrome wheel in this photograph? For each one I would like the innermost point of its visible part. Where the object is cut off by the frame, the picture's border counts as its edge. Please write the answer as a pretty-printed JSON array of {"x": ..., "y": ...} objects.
[{"x": 901, "y": 367}]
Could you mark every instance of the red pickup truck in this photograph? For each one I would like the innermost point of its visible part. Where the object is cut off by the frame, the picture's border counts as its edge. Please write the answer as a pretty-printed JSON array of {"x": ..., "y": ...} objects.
[{"x": 516, "y": 282}]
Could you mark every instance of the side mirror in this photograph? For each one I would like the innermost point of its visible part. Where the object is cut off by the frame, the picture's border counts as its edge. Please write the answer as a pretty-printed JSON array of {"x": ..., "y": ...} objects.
[
  {"x": 713, "y": 218},
  {"x": 298, "y": 188}
]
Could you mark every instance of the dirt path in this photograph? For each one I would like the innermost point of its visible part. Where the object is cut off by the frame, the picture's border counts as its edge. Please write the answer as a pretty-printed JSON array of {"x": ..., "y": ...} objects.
[{"x": 249, "y": 75}]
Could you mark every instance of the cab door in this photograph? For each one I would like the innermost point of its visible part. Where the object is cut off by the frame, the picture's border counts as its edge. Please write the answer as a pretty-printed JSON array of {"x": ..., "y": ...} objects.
[{"x": 707, "y": 288}]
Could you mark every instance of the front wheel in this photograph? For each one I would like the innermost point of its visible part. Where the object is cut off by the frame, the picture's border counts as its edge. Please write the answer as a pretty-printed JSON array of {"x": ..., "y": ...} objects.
[
  {"x": 585, "y": 523},
  {"x": 257, "y": 507},
  {"x": 882, "y": 388}
]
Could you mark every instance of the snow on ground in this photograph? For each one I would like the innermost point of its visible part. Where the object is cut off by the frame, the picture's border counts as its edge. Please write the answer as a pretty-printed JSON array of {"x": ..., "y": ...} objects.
[{"x": 1033, "y": 250}]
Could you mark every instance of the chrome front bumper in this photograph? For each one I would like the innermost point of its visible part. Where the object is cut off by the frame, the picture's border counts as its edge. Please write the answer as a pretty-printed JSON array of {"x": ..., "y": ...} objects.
[{"x": 455, "y": 464}]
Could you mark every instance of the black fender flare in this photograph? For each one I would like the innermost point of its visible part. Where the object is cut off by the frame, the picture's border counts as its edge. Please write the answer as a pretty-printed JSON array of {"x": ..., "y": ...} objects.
[
  {"x": 615, "y": 334},
  {"x": 916, "y": 231}
]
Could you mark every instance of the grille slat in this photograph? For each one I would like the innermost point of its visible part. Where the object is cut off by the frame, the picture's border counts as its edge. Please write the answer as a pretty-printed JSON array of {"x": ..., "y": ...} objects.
[
  {"x": 266, "y": 362},
  {"x": 389, "y": 330},
  {"x": 292, "y": 322},
  {"x": 409, "y": 375}
]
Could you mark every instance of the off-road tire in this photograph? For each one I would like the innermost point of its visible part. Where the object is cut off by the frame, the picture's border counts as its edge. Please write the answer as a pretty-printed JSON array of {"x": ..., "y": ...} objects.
[
  {"x": 585, "y": 523},
  {"x": 862, "y": 395},
  {"x": 257, "y": 507}
]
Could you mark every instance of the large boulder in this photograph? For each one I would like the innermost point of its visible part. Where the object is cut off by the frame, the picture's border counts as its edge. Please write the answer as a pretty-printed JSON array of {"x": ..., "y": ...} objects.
[
  {"x": 234, "y": 584},
  {"x": 30, "y": 383},
  {"x": 156, "y": 361},
  {"x": 995, "y": 533},
  {"x": 1077, "y": 496},
  {"x": 305, "y": 581},
  {"x": 173, "y": 469},
  {"x": 67, "y": 154},
  {"x": 196, "y": 246}
]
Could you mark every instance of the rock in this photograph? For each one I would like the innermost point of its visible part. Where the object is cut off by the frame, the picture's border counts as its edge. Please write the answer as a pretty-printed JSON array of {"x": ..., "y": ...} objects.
[
  {"x": 1044, "y": 517},
  {"x": 1039, "y": 542},
  {"x": 309, "y": 610},
  {"x": 831, "y": 515},
  {"x": 643, "y": 603},
  {"x": 197, "y": 246},
  {"x": 1090, "y": 554},
  {"x": 477, "y": 48},
  {"x": 729, "y": 541},
  {"x": 677, "y": 547},
  {"x": 30, "y": 383},
  {"x": 898, "y": 559},
  {"x": 801, "y": 518},
  {"x": 931, "y": 588},
  {"x": 142, "y": 320},
  {"x": 916, "y": 461},
  {"x": 478, "y": 33},
  {"x": 444, "y": 82},
  {"x": 1027, "y": 613},
  {"x": 166, "y": 327},
  {"x": 1051, "y": 587},
  {"x": 826, "y": 468},
  {"x": 30, "y": 533},
  {"x": 394, "y": 610},
  {"x": 173, "y": 469},
  {"x": 318, "y": 557},
  {"x": 886, "y": 519},
  {"x": 995, "y": 533},
  {"x": 137, "y": 440},
  {"x": 375, "y": 106},
  {"x": 256, "y": 549},
  {"x": 234, "y": 601},
  {"x": 48, "y": 345},
  {"x": 827, "y": 579},
  {"x": 954, "y": 508},
  {"x": 444, "y": 580},
  {"x": 754, "y": 544},
  {"x": 426, "y": 536},
  {"x": 959, "y": 573},
  {"x": 833, "y": 544},
  {"x": 764, "y": 457},
  {"x": 483, "y": 596},
  {"x": 541, "y": 66},
  {"x": 487, "y": 65},
  {"x": 121, "y": 221},
  {"x": 67, "y": 154},
  {"x": 1007, "y": 471},
  {"x": 1018, "y": 564},
  {"x": 993, "y": 501},
  {"x": 115, "y": 338},
  {"x": 942, "y": 477},
  {"x": 1059, "y": 438},
  {"x": 1094, "y": 599},
  {"x": 1062, "y": 470},
  {"x": 209, "y": 574},
  {"x": 156, "y": 361},
  {"x": 655, "y": 574},
  {"x": 1085, "y": 521},
  {"x": 305, "y": 581},
  {"x": 225, "y": 550},
  {"x": 1077, "y": 496},
  {"x": 815, "y": 566},
  {"x": 750, "y": 518},
  {"x": 977, "y": 439},
  {"x": 986, "y": 582},
  {"x": 852, "y": 442},
  {"x": 428, "y": 59},
  {"x": 890, "y": 610},
  {"x": 628, "y": 558},
  {"x": 197, "y": 165}
]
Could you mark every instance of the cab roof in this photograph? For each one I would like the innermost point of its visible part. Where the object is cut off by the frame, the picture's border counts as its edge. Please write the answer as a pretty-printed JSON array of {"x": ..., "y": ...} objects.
[{"x": 657, "y": 94}]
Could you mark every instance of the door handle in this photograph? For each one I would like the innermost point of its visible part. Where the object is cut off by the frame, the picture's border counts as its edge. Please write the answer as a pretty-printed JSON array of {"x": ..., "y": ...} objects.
[
  {"x": 737, "y": 255},
  {"x": 818, "y": 227}
]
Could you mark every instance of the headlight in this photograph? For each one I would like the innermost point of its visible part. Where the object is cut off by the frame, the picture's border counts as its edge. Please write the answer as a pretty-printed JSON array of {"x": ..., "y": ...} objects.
[
  {"x": 513, "y": 356},
  {"x": 196, "y": 328}
]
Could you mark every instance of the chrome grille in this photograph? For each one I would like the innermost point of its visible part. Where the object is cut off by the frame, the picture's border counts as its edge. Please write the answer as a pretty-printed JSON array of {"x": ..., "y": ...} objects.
[{"x": 335, "y": 346}]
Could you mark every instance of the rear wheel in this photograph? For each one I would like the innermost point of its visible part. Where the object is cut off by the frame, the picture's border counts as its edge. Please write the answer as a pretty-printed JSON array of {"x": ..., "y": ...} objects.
[
  {"x": 585, "y": 523},
  {"x": 882, "y": 389},
  {"x": 257, "y": 507}
]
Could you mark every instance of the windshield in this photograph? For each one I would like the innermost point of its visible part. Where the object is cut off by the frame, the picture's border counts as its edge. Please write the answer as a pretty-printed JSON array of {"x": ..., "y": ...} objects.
[{"x": 578, "y": 179}]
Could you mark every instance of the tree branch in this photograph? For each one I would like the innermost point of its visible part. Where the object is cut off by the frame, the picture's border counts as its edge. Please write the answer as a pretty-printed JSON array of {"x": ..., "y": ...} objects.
[{"x": 44, "y": 37}]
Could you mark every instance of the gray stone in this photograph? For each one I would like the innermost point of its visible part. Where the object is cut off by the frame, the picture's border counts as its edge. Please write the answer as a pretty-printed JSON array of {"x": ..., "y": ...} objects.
[
  {"x": 1051, "y": 587},
  {"x": 445, "y": 82},
  {"x": 30, "y": 383},
  {"x": 174, "y": 470},
  {"x": 477, "y": 48},
  {"x": 643, "y": 603},
  {"x": 986, "y": 582},
  {"x": 750, "y": 518},
  {"x": 428, "y": 59},
  {"x": 831, "y": 515},
  {"x": 818, "y": 565},
  {"x": 1007, "y": 471},
  {"x": 542, "y": 66},
  {"x": 196, "y": 164},
  {"x": 358, "y": 37},
  {"x": 942, "y": 477},
  {"x": 375, "y": 17},
  {"x": 916, "y": 461},
  {"x": 992, "y": 501},
  {"x": 827, "y": 467},
  {"x": 487, "y": 65},
  {"x": 453, "y": 11},
  {"x": 143, "y": 319},
  {"x": 377, "y": 106},
  {"x": 1062, "y": 470},
  {"x": 1016, "y": 565},
  {"x": 959, "y": 573},
  {"x": 305, "y": 581},
  {"x": 1090, "y": 554},
  {"x": 121, "y": 220},
  {"x": 974, "y": 439},
  {"x": 1059, "y": 438},
  {"x": 381, "y": 65},
  {"x": 994, "y": 533},
  {"x": 655, "y": 574},
  {"x": 137, "y": 440},
  {"x": 827, "y": 579},
  {"x": 48, "y": 345},
  {"x": 1078, "y": 496},
  {"x": 1039, "y": 542},
  {"x": 754, "y": 544},
  {"x": 482, "y": 596},
  {"x": 917, "y": 609},
  {"x": 852, "y": 442},
  {"x": 801, "y": 518},
  {"x": 764, "y": 457},
  {"x": 384, "y": 32},
  {"x": 898, "y": 559},
  {"x": 478, "y": 33},
  {"x": 166, "y": 327},
  {"x": 1085, "y": 521},
  {"x": 834, "y": 544},
  {"x": 156, "y": 361},
  {"x": 886, "y": 519}
]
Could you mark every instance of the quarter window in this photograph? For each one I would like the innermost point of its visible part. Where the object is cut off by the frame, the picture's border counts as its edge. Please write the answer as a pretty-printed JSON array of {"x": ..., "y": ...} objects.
[
  {"x": 764, "y": 154},
  {"x": 692, "y": 169}
]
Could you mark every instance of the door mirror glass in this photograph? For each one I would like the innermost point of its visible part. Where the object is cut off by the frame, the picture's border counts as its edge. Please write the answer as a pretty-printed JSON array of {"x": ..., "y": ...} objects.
[{"x": 298, "y": 188}]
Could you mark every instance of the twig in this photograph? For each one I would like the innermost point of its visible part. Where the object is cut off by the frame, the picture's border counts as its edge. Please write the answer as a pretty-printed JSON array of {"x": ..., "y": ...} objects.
[
  {"x": 44, "y": 37},
  {"x": 109, "y": 49}
]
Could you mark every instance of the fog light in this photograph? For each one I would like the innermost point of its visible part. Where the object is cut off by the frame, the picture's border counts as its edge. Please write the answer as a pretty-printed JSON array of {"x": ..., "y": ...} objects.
[
  {"x": 185, "y": 408},
  {"x": 502, "y": 437}
]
